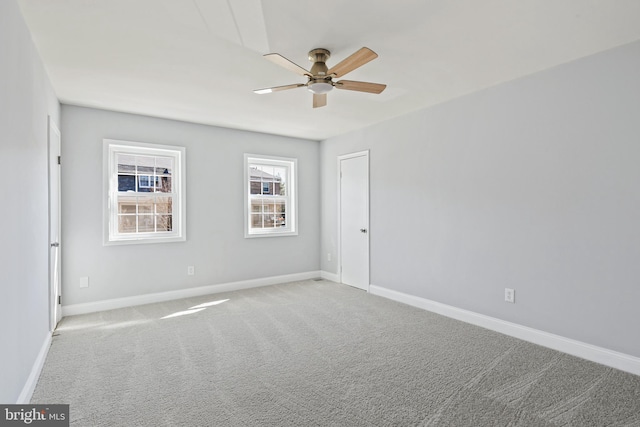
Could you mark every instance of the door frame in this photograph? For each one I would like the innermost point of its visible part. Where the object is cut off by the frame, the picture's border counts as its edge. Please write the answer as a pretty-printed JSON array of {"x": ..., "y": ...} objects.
[
  {"x": 364, "y": 153},
  {"x": 55, "y": 287}
]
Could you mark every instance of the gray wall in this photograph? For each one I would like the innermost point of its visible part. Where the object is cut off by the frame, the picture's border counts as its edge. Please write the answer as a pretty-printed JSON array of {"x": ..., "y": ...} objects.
[
  {"x": 533, "y": 185},
  {"x": 26, "y": 98},
  {"x": 215, "y": 238}
]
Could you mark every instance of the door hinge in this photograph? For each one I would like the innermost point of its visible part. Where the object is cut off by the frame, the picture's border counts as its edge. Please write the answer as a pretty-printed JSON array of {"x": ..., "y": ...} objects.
[
  {"x": 59, "y": 160},
  {"x": 59, "y": 299}
]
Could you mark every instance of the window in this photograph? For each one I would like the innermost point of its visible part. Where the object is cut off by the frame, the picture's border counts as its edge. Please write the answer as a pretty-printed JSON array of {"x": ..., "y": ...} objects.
[
  {"x": 145, "y": 193},
  {"x": 147, "y": 181},
  {"x": 270, "y": 199}
]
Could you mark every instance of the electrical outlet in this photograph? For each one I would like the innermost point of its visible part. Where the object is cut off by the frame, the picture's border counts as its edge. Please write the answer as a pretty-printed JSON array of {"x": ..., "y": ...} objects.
[
  {"x": 84, "y": 282},
  {"x": 329, "y": 256},
  {"x": 509, "y": 295},
  {"x": 191, "y": 270}
]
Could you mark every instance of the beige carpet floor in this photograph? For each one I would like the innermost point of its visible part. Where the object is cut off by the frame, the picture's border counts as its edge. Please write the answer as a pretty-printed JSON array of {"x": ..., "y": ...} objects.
[{"x": 316, "y": 353}]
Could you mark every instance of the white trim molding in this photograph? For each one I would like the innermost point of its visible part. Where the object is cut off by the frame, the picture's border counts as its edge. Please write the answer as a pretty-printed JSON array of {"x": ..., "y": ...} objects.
[
  {"x": 111, "y": 304},
  {"x": 604, "y": 356},
  {"x": 329, "y": 276},
  {"x": 32, "y": 381}
]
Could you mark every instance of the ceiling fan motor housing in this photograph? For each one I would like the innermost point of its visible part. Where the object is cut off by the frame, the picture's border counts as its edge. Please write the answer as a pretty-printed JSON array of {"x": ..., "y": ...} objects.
[{"x": 318, "y": 83}]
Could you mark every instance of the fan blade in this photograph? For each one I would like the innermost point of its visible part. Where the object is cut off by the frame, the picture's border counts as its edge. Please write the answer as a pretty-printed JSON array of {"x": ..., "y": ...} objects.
[
  {"x": 319, "y": 100},
  {"x": 360, "y": 86},
  {"x": 352, "y": 62},
  {"x": 276, "y": 58},
  {"x": 278, "y": 88}
]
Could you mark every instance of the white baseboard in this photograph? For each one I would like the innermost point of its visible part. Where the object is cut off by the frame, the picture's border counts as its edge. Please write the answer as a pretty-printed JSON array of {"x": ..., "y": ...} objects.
[
  {"x": 32, "y": 381},
  {"x": 329, "y": 276},
  {"x": 604, "y": 356},
  {"x": 111, "y": 304}
]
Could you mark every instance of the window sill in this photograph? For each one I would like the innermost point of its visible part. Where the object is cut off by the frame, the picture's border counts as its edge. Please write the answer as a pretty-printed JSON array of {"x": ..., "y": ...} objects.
[
  {"x": 270, "y": 234},
  {"x": 144, "y": 241}
]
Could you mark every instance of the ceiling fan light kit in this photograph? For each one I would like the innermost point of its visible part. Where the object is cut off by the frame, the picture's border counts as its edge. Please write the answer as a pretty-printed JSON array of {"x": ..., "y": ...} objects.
[
  {"x": 320, "y": 77},
  {"x": 319, "y": 87}
]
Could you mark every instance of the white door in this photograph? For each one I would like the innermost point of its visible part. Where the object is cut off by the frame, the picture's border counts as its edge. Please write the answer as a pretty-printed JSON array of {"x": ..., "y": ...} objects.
[
  {"x": 354, "y": 219},
  {"x": 54, "y": 225}
]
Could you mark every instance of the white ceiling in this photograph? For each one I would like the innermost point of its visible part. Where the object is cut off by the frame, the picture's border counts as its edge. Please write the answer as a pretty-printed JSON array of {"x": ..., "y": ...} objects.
[{"x": 199, "y": 60}]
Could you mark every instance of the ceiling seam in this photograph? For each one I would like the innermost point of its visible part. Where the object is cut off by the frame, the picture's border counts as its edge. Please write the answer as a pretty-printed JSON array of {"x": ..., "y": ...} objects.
[
  {"x": 235, "y": 22},
  {"x": 206, "y": 24}
]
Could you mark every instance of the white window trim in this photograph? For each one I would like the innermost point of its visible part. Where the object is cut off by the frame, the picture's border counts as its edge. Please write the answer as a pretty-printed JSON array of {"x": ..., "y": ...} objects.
[
  {"x": 292, "y": 213},
  {"x": 110, "y": 188}
]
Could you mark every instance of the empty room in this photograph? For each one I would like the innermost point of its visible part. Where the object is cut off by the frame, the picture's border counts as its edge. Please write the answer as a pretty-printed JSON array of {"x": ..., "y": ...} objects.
[{"x": 297, "y": 213}]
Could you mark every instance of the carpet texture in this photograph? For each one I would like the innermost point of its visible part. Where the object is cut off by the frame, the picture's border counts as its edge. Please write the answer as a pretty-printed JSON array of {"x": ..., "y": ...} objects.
[{"x": 316, "y": 353}]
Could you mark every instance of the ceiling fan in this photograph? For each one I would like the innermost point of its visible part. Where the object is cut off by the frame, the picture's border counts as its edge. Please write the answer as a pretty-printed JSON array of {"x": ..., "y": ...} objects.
[{"x": 320, "y": 77}]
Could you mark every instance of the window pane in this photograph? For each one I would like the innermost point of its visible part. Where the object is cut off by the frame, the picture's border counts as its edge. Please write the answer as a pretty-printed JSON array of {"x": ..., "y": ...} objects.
[
  {"x": 256, "y": 187},
  {"x": 164, "y": 205},
  {"x": 164, "y": 222},
  {"x": 126, "y": 163},
  {"x": 126, "y": 183},
  {"x": 269, "y": 221},
  {"x": 267, "y": 188},
  {"x": 279, "y": 181},
  {"x": 126, "y": 223},
  {"x": 145, "y": 165},
  {"x": 267, "y": 173},
  {"x": 145, "y": 183},
  {"x": 256, "y": 206},
  {"x": 145, "y": 205},
  {"x": 127, "y": 205},
  {"x": 145, "y": 170},
  {"x": 280, "y": 210},
  {"x": 256, "y": 221},
  {"x": 146, "y": 223},
  {"x": 267, "y": 180},
  {"x": 164, "y": 166},
  {"x": 163, "y": 184},
  {"x": 255, "y": 179}
]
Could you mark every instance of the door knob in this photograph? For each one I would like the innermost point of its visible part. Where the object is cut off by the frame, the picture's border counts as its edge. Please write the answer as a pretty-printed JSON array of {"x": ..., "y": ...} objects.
[{"x": 363, "y": 230}]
